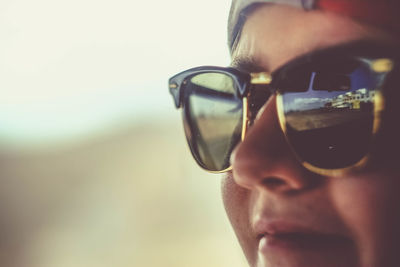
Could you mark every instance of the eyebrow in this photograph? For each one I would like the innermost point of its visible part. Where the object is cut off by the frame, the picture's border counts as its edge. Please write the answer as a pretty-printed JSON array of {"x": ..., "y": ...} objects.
[{"x": 248, "y": 64}]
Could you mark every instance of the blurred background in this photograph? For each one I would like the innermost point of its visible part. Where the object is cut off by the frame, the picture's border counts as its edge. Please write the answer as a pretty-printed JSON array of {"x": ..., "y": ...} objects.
[{"x": 95, "y": 170}]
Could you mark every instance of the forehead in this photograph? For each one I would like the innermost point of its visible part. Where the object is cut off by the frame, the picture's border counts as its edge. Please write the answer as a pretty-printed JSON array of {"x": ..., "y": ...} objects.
[{"x": 275, "y": 34}]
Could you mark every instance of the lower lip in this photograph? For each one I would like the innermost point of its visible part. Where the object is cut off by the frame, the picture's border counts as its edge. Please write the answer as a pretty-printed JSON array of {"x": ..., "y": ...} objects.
[{"x": 297, "y": 242}]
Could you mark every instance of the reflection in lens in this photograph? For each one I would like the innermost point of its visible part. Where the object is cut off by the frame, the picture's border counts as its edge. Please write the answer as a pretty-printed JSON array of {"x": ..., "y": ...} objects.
[
  {"x": 330, "y": 125},
  {"x": 214, "y": 119}
]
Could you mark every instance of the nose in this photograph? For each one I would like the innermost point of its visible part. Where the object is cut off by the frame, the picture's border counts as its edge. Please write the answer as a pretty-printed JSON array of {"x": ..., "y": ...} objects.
[{"x": 264, "y": 159}]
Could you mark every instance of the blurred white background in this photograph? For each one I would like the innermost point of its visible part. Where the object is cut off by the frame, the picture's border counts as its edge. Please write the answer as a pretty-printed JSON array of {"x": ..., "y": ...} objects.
[{"x": 95, "y": 170}]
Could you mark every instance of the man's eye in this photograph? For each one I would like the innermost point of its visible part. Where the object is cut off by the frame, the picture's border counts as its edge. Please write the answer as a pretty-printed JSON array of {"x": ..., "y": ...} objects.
[
  {"x": 326, "y": 81},
  {"x": 298, "y": 80}
]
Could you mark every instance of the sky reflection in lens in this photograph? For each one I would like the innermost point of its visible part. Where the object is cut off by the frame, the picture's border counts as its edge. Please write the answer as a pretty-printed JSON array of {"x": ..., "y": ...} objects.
[
  {"x": 331, "y": 99},
  {"x": 215, "y": 118}
]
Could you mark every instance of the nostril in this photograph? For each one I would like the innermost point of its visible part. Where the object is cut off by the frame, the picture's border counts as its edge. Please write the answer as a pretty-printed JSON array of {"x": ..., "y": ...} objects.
[{"x": 272, "y": 182}]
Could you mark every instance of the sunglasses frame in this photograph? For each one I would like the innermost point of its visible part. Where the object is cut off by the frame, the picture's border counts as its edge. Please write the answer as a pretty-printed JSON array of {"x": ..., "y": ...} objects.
[
  {"x": 384, "y": 55},
  {"x": 177, "y": 82}
]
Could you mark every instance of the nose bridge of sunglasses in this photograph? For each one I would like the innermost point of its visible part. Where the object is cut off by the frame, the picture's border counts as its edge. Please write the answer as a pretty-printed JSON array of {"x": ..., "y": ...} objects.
[{"x": 260, "y": 78}]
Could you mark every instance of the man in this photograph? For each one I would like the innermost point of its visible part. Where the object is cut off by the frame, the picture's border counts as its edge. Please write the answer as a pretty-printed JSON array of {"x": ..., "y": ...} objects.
[{"x": 313, "y": 96}]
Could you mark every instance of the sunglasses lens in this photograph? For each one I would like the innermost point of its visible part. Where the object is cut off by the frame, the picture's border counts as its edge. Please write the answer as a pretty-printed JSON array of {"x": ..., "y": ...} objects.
[
  {"x": 213, "y": 118},
  {"x": 329, "y": 117}
]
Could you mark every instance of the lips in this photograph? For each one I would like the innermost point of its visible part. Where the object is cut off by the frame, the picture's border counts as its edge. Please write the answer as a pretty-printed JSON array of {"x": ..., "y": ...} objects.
[{"x": 283, "y": 235}]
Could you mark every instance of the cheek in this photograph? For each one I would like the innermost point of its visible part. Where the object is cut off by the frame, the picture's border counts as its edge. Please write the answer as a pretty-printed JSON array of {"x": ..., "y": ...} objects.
[
  {"x": 236, "y": 201},
  {"x": 369, "y": 207}
]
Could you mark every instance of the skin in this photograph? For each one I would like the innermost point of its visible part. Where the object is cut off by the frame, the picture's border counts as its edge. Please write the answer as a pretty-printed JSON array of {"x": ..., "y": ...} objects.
[{"x": 269, "y": 192}]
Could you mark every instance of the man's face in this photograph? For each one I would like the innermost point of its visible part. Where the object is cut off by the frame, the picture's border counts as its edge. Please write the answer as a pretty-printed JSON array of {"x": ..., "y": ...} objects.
[{"x": 283, "y": 214}]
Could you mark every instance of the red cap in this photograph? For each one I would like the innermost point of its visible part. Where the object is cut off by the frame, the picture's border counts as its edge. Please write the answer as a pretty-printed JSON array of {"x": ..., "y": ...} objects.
[{"x": 382, "y": 13}]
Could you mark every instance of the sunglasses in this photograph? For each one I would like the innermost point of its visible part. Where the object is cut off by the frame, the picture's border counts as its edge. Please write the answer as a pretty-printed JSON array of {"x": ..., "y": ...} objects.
[{"x": 329, "y": 106}]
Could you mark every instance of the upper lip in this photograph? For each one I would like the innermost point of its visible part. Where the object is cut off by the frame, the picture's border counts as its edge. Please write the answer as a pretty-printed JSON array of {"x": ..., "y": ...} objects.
[{"x": 281, "y": 227}]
